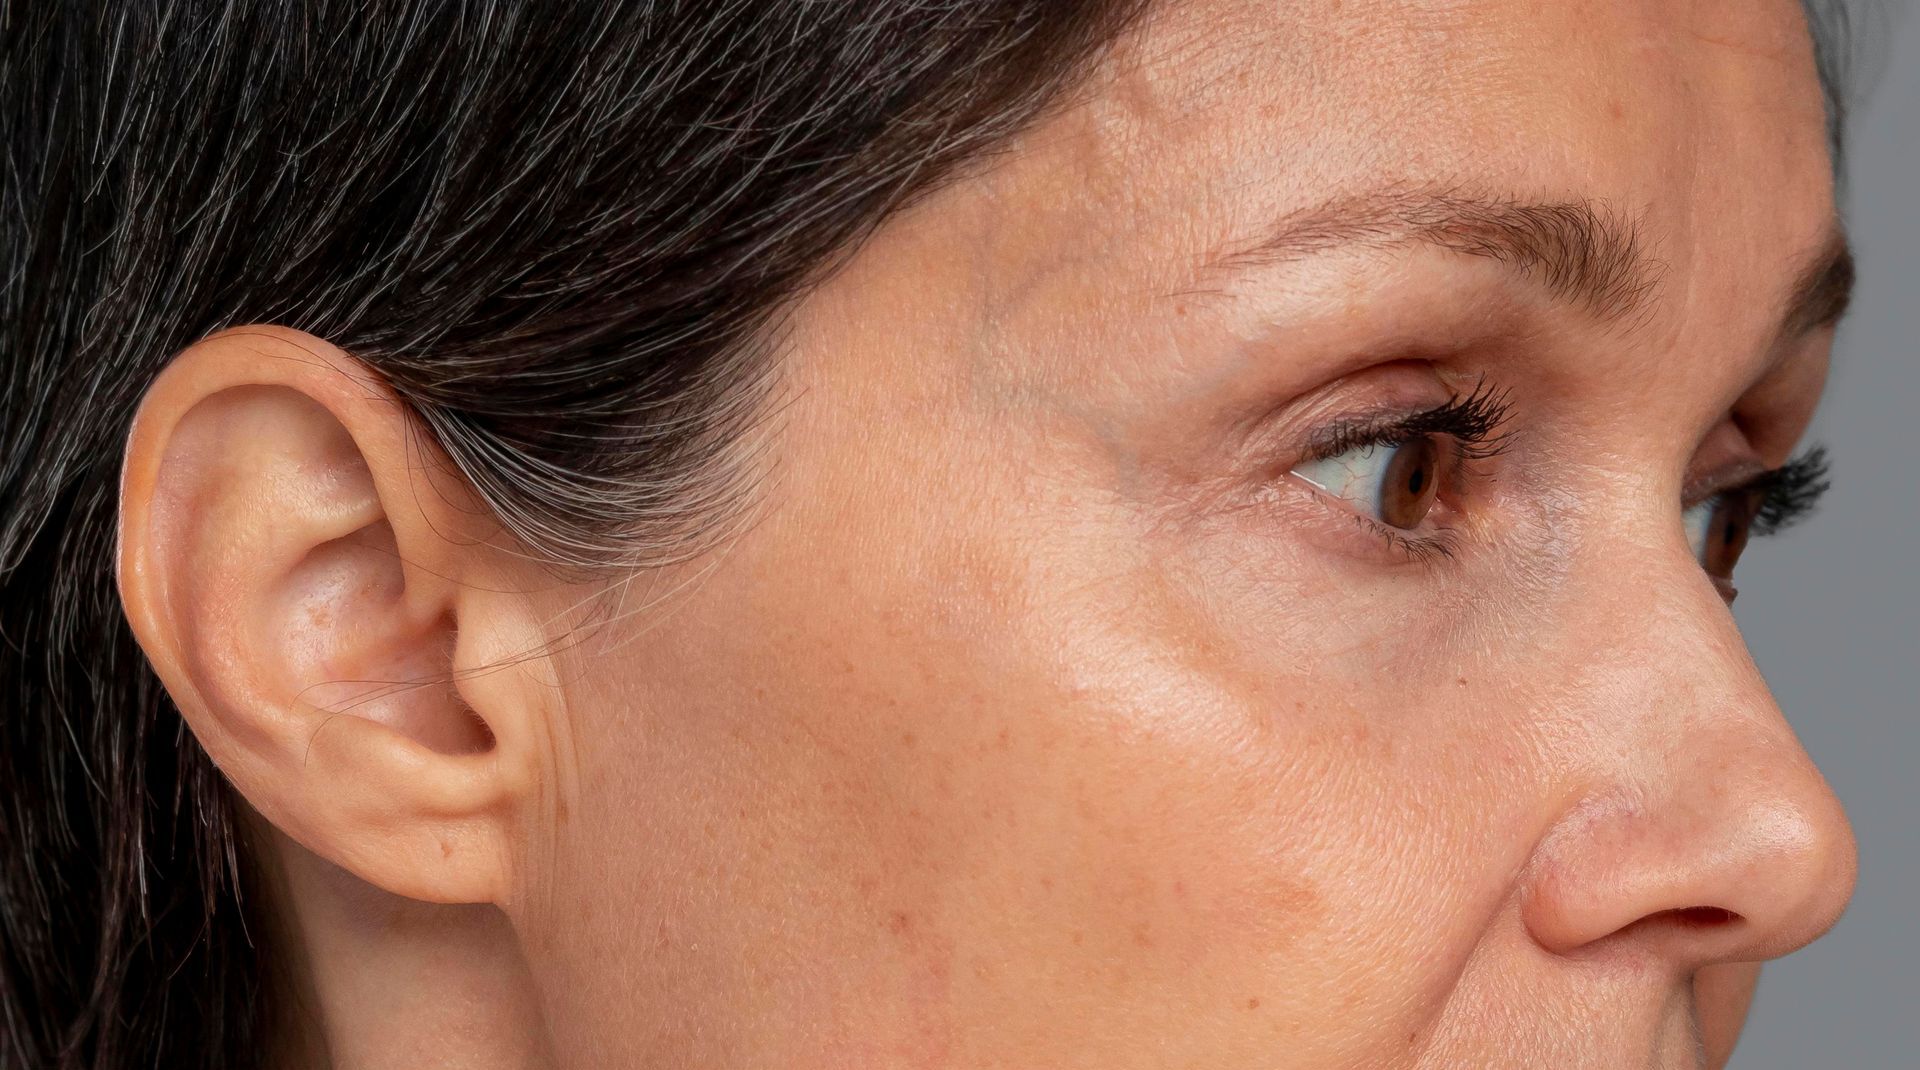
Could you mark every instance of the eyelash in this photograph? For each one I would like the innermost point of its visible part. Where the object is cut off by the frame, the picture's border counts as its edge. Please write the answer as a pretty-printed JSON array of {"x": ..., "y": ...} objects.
[
  {"x": 1788, "y": 494},
  {"x": 1473, "y": 423}
]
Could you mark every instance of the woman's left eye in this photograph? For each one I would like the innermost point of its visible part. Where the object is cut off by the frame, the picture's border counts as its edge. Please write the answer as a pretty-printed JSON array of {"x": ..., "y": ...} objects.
[
  {"x": 1393, "y": 483},
  {"x": 1717, "y": 530}
]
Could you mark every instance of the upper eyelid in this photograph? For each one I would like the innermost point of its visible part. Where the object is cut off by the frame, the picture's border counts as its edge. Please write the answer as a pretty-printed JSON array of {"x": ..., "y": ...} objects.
[
  {"x": 1349, "y": 434},
  {"x": 1477, "y": 419},
  {"x": 1810, "y": 466},
  {"x": 1747, "y": 478}
]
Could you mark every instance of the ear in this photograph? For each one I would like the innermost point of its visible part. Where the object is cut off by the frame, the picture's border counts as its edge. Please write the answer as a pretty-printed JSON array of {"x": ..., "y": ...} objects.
[{"x": 322, "y": 598}]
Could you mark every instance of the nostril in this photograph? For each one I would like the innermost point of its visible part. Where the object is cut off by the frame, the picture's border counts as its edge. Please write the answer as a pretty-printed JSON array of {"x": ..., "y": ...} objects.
[
  {"x": 1665, "y": 923},
  {"x": 1701, "y": 917}
]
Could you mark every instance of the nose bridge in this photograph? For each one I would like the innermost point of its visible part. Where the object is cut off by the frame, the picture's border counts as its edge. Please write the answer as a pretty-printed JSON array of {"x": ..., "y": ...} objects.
[
  {"x": 1699, "y": 824},
  {"x": 1673, "y": 640}
]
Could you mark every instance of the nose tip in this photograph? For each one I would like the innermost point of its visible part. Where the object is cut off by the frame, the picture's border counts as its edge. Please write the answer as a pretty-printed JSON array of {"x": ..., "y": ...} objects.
[
  {"x": 1745, "y": 865},
  {"x": 1699, "y": 831},
  {"x": 1795, "y": 874}
]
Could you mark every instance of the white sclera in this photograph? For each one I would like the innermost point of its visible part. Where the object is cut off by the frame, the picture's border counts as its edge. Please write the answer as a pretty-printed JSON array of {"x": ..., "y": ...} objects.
[
  {"x": 1697, "y": 519},
  {"x": 1358, "y": 475}
]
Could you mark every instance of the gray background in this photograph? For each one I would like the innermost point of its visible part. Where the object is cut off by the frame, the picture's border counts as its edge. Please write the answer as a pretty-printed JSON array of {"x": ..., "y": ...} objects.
[{"x": 1831, "y": 611}]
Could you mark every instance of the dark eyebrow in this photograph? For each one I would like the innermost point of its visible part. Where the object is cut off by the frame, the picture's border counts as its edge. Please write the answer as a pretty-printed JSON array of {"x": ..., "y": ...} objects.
[
  {"x": 1823, "y": 291},
  {"x": 1580, "y": 250}
]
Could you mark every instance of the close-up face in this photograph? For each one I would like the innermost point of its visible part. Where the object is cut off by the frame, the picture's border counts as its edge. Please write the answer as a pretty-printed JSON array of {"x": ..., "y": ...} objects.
[
  {"x": 999, "y": 533},
  {"x": 1241, "y": 578}
]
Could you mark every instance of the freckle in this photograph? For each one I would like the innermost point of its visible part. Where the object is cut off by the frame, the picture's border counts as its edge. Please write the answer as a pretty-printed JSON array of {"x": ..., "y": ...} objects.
[
  {"x": 1180, "y": 889},
  {"x": 1141, "y": 937},
  {"x": 1463, "y": 681},
  {"x": 1078, "y": 938},
  {"x": 1046, "y": 884},
  {"x": 1001, "y": 741},
  {"x": 1254, "y": 1003},
  {"x": 899, "y": 923},
  {"x": 908, "y": 739},
  {"x": 446, "y": 849}
]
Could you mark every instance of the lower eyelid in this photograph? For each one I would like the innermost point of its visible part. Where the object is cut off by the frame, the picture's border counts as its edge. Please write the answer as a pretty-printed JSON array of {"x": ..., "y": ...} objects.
[{"x": 1414, "y": 544}]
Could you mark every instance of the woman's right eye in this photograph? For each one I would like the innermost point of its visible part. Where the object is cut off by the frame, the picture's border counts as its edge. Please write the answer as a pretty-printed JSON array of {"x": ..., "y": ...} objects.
[{"x": 1392, "y": 483}]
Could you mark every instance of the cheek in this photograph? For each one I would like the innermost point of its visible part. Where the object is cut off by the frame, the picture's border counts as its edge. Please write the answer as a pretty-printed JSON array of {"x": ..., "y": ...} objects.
[
  {"x": 961, "y": 777},
  {"x": 1104, "y": 804},
  {"x": 1723, "y": 993},
  {"x": 1033, "y": 851},
  {"x": 1092, "y": 812}
]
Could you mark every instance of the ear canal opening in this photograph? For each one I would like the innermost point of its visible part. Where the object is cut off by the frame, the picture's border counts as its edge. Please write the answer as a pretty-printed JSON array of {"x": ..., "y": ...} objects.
[{"x": 482, "y": 731}]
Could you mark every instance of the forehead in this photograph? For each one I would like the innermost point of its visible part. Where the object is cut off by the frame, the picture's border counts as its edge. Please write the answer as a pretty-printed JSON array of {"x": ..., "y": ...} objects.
[
  {"x": 1703, "y": 119},
  {"x": 1446, "y": 86}
]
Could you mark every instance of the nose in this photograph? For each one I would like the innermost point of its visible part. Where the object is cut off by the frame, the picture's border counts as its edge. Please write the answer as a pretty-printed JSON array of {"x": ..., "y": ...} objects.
[{"x": 1700, "y": 831}]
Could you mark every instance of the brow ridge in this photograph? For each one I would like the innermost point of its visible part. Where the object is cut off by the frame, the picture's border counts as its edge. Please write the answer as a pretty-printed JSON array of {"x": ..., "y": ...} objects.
[
  {"x": 1824, "y": 290},
  {"x": 1581, "y": 250}
]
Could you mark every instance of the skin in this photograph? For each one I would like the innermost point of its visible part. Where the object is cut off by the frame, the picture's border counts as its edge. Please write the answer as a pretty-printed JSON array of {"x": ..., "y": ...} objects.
[{"x": 1041, "y": 717}]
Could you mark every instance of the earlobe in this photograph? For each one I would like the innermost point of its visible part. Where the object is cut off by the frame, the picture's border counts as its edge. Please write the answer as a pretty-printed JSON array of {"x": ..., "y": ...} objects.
[{"x": 313, "y": 604}]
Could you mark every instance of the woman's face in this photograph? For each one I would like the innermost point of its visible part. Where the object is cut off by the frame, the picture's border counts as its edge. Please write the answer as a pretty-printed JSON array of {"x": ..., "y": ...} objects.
[{"x": 1226, "y": 593}]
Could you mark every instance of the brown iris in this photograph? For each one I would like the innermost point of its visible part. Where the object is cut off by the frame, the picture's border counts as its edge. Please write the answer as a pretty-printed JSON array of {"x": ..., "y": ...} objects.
[
  {"x": 1727, "y": 530},
  {"x": 1411, "y": 481}
]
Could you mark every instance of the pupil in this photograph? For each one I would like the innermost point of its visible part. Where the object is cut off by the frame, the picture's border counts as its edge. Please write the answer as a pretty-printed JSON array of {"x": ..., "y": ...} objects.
[{"x": 1419, "y": 479}]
